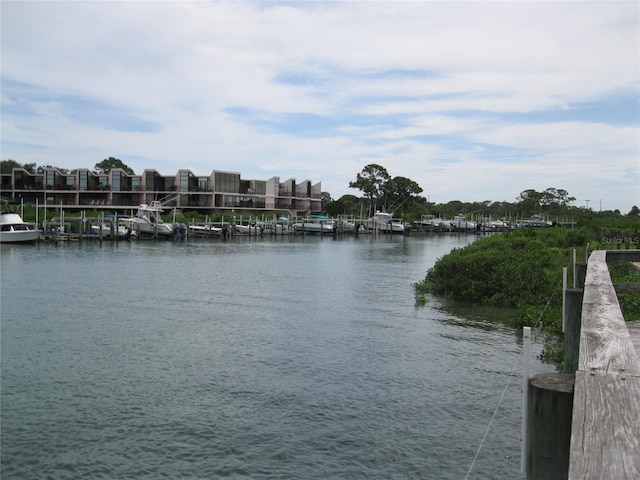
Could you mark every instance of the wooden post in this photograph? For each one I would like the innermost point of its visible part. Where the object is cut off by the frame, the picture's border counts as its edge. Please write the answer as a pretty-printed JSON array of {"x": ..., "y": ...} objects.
[
  {"x": 549, "y": 426},
  {"x": 573, "y": 313},
  {"x": 564, "y": 306},
  {"x": 526, "y": 357},
  {"x": 580, "y": 272}
]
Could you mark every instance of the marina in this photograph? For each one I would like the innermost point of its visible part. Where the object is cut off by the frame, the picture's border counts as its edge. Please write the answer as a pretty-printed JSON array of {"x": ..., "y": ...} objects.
[{"x": 147, "y": 222}]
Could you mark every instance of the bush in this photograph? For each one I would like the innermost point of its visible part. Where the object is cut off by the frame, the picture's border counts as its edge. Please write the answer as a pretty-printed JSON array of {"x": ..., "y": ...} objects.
[{"x": 509, "y": 270}]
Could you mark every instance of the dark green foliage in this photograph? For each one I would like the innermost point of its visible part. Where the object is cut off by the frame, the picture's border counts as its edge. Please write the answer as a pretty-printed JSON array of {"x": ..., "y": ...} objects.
[
  {"x": 629, "y": 302},
  {"x": 510, "y": 270},
  {"x": 108, "y": 164}
]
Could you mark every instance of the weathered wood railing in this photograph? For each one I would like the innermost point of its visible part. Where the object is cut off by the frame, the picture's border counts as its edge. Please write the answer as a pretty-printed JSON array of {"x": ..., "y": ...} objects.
[{"x": 605, "y": 434}]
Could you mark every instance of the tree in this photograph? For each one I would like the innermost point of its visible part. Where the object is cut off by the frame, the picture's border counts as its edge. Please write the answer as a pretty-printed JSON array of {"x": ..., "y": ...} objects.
[
  {"x": 399, "y": 192},
  {"x": 326, "y": 199},
  {"x": 371, "y": 181},
  {"x": 108, "y": 164},
  {"x": 7, "y": 166},
  {"x": 529, "y": 201},
  {"x": 41, "y": 169},
  {"x": 30, "y": 167},
  {"x": 345, "y": 205},
  {"x": 555, "y": 198}
]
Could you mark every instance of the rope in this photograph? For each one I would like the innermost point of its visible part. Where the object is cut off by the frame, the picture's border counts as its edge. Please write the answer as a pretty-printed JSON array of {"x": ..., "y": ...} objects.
[
  {"x": 493, "y": 417},
  {"x": 545, "y": 307},
  {"x": 504, "y": 392}
]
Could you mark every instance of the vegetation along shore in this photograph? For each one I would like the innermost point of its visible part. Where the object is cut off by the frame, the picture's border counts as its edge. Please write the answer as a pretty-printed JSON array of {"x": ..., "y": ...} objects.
[{"x": 523, "y": 270}]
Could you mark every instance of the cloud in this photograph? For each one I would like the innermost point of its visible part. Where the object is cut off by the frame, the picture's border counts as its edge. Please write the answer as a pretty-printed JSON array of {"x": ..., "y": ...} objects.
[{"x": 473, "y": 100}]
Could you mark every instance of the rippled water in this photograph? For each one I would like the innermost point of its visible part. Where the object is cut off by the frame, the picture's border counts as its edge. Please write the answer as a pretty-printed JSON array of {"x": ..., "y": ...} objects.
[{"x": 252, "y": 358}]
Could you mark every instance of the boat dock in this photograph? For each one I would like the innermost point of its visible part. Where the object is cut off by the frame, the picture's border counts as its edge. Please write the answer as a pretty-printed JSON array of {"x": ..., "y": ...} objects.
[
  {"x": 121, "y": 227},
  {"x": 584, "y": 424}
]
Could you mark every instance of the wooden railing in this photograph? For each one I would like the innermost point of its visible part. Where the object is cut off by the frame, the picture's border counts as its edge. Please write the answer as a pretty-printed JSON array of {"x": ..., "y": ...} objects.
[{"x": 605, "y": 433}]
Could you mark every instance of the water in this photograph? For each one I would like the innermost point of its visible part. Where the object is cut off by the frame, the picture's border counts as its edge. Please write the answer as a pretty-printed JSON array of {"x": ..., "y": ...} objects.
[{"x": 252, "y": 358}]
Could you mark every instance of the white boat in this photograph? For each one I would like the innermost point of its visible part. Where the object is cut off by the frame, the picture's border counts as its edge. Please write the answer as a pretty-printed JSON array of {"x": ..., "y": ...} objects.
[
  {"x": 14, "y": 230},
  {"x": 384, "y": 222},
  {"x": 277, "y": 228},
  {"x": 534, "y": 221},
  {"x": 206, "y": 230},
  {"x": 148, "y": 221},
  {"x": 249, "y": 229},
  {"x": 499, "y": 226},
  {"x": 430, "y": 222},
  {"x": 123, "y": 231},
  {"x": 314, "y": 225},
  {"x": 461, "y": 223}
]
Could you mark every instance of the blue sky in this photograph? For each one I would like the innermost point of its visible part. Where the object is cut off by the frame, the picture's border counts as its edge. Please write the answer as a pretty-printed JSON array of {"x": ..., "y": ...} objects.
[{"x": 473, "y": 100}]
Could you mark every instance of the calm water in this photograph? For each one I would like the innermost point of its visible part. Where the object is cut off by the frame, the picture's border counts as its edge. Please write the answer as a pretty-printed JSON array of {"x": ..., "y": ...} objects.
[{"x": 251, "y": 358}]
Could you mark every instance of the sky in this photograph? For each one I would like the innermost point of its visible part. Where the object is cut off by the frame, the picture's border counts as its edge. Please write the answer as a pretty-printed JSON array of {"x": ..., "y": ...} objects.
[{"x": 472, "y": 100}]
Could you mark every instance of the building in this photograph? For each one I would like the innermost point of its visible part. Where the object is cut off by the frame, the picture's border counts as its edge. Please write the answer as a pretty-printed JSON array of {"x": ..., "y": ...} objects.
[{"x": 119, "y": 191}]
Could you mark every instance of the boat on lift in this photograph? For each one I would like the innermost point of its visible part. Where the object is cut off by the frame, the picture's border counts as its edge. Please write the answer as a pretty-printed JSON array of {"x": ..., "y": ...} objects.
[
  {"x": 148, "y": 221},
  {"x": 384, "y": 222},
  {"x": 315, "y": 224},
  {"x": 461, "y": 224}
]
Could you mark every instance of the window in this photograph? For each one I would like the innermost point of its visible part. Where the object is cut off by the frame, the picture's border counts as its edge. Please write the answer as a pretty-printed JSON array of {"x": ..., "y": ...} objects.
[
  {"x": 184, "y": 181},
  {"x": 260, "y": 187},
  {"x": 116, "y": 178},
  {"x": 227, "y": 182}
]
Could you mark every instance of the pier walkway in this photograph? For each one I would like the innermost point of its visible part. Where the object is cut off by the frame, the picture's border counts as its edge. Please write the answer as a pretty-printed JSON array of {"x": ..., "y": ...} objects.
[{"x": 605, "y": 431}]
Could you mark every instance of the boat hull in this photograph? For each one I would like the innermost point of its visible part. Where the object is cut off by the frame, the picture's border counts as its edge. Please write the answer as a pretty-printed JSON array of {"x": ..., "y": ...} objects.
[
  {"x": 313, "y": 228},
  {"x": 144, "y": 228},
  {"x": 14, "y": 230},
  {"x": 19, "y": 236}
]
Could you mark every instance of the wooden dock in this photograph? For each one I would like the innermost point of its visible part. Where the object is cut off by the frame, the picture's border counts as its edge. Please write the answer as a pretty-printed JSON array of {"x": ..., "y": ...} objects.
[{"x": 605, "y": 433}]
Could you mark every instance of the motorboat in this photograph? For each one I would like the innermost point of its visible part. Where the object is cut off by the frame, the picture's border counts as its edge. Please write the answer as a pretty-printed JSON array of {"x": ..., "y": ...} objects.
[
  {"x": 113, "y": 224},
  {"x": 499, "y": 226},
  {"x": 312, "y": 228},
  {"x": 431, "y": 222},
  {"x": 384, "y": 222},
  {"x": 148, "y": 221},
  {"x": 534, "y": 221},
  {"x": 206, "y": 230},
  {"x": 321, "y": 224},
  {"x": 460, "y": 223},
  {"x": 105, "y": 230},
  {"x": 249, "y": 229},
  {"x": 14, "y": 230}
]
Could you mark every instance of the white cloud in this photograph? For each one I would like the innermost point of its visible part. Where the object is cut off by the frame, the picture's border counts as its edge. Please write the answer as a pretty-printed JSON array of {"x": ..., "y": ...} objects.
[{"x": 462, "y": 97}]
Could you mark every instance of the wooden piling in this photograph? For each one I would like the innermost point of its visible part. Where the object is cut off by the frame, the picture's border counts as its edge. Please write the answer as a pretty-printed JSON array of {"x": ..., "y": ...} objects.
[
  {"x": 549, "y": 426},
  {"x": 573, "y": 312},
  {"x": 580, "y": 271}
]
